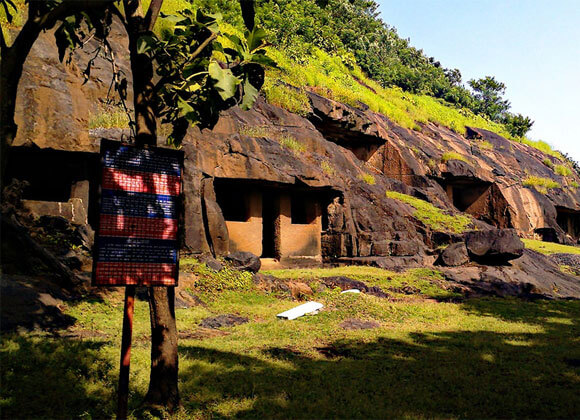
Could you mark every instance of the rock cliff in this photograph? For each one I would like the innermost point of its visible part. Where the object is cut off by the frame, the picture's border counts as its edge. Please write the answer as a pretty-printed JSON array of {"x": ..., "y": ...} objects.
[{"x": 302, "y": 188}]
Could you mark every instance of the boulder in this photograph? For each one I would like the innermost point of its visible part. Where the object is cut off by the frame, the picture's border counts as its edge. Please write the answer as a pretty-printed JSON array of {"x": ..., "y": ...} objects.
[
  {"x": 495, "y": 246},
  {"x": 244, "y": 261},
  {"x": 454, "y": 255}
]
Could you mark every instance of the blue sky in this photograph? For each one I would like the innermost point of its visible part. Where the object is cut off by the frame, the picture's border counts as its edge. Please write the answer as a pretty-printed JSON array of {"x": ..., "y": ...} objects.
[{"x": 533, "y": 46}]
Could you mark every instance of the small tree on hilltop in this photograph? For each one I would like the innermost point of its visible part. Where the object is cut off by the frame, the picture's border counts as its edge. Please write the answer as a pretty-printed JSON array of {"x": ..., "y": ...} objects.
[{"x": 488, "y": 94}]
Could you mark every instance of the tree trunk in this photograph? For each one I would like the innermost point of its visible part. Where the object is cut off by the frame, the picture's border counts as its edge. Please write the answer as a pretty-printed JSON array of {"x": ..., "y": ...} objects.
[{"x": 163, "y": 390}]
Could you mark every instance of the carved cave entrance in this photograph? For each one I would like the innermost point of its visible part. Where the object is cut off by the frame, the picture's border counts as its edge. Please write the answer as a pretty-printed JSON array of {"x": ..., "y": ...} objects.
[
  {"x": 569, "y": 221},
  {"x": 362, "y": 145},
  {"x": 61, "y": 183},
  {"x": 482, "y": 200},
  {"x": 273, "y": 220}
]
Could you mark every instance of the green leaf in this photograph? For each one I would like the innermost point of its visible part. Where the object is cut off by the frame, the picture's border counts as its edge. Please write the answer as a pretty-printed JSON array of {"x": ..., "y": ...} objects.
[
  {"x": 255, "y": 38},
  {"x": 224, "y": 81},
  {"x": 184, "y": 108},
  {"x": 145, "y": 43},
  {"x": 250, "y": 95},
  {"x": 263, "y": 60}
]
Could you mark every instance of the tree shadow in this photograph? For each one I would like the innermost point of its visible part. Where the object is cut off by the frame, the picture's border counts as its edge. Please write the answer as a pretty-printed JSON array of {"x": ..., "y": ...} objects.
[
  {"x": 473, "y": 374},
  {"x": 44, "y": 377}
]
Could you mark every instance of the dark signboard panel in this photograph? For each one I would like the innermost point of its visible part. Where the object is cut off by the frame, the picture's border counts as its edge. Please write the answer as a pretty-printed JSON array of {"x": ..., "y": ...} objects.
[{"x": 137, "y": 238}]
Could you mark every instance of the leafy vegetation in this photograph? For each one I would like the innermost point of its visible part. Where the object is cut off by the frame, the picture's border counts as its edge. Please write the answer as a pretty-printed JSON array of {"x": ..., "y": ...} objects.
[
  {"x": 541, "y": 184},
  {"x": 550, "y": 247},
  {"x": 516, "y": 358},
  {"x": 432, "y": 216}
]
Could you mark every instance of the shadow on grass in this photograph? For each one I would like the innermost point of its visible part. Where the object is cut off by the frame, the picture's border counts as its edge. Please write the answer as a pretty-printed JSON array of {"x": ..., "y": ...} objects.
[
  {"x": 473, "y": 374},
  {"x": 43, "y": 377}
]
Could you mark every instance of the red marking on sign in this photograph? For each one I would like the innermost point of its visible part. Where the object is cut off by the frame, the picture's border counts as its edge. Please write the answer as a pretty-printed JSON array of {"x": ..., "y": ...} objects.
[
  {"x": 138, "y": 227},
  {"x": 141, "y": 182},
  {"x": 135, "y": 274}
]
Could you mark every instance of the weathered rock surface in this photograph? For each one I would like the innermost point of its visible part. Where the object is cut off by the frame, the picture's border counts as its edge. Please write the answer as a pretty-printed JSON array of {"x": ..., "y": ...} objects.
[
  {"x": 495, "y": 247},
  {"x": 531, "y": 275},
  {"x": 454, "y": 255}
]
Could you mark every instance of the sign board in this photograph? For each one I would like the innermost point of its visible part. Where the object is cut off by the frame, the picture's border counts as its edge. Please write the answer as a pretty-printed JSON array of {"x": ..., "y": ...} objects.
[{"x": 137, "y": 237}]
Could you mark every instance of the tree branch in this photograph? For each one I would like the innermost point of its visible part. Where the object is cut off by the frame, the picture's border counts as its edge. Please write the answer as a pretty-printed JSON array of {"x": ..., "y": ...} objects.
[
  {"x": 152, "y": 14},
  {"x": 2, "y": 41}
]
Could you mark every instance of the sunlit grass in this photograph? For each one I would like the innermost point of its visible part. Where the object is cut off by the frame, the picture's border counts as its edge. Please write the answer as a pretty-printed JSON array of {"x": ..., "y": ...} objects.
[
  {"x": 550, "y": 247},
  {"x": 435, "y": 218}
]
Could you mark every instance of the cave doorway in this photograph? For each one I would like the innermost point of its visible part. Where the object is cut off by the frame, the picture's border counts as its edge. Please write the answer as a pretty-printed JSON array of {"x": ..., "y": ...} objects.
[
  {"x": 482, "y": 200},
  {"x": 271, "y": 225},
  {"x": 569, "y": 221},
  {"x": 56, "y": 177}
]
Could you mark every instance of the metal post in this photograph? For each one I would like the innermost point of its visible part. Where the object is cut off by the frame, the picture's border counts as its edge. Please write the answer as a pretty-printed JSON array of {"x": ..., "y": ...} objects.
[{"x": 126, "y": 353}]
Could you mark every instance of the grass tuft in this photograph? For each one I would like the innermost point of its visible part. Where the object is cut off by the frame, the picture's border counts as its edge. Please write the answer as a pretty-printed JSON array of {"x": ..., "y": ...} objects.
[
  {"x": 447, "y": 156},
  {"x": 291, "y": 143},
  {"x": 432, "y": 216},
  {"x": 109, "y": 117},
  {"x": 541, "y": 184},
  {"x": 367, "y": 179},
  {"x": 255, "y": 131},
  {"x": 562, "y": 170}
]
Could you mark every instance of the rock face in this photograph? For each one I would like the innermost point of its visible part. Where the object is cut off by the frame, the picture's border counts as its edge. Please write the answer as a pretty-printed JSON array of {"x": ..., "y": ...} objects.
[{"x": 248, "y": 187}]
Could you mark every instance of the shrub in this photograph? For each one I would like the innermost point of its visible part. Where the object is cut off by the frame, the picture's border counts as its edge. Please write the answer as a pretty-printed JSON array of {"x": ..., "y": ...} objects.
[
  {"x": 562, "y": 170},
  {"x": 541, "y": 184},
  {"x": 447, "y": 156},
  {"x": 574, "y": 184},
  {"x": 367, "y": 178},
  {"x": 432, "y": 216}
]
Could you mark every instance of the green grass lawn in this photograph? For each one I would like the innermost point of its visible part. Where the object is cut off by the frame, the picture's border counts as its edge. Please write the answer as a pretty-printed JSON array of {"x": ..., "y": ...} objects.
[
  {"x": 430, "y": 358},
  {"x": 548, "y": 248}
]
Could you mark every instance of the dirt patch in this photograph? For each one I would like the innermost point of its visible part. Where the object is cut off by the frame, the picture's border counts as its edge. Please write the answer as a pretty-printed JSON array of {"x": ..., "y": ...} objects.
[
  {"x": 220, "y": 321},
  {"x": 202, "y": 334},
  {"x": 358, "y": 324}
]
